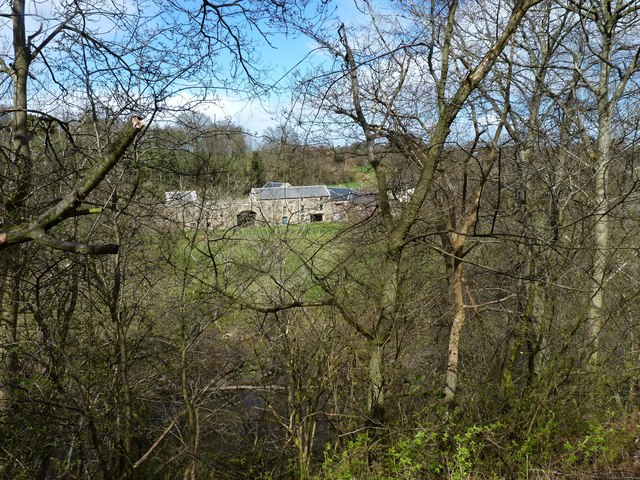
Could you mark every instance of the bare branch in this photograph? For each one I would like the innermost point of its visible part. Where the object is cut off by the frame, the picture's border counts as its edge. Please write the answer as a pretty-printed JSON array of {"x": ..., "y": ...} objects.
[{"x": 60, "y": 211}]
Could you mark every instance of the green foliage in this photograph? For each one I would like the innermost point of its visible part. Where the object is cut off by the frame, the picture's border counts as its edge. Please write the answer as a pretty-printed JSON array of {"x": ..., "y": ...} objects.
[
  {"x": 424, "y": 454},
  {"x": 465, "y": 455},
  {"x": 405, "y": 458},
  {"x": 461, "y": 453},
  {"x": 602, "y": 442},
  {"x": 257, "y": 178},
  {"x": 561, "y": 437},
  {"x": 351, "y": 463},
  {"x": 536, "y": 443},
  {"x": 586, "y": 449}
]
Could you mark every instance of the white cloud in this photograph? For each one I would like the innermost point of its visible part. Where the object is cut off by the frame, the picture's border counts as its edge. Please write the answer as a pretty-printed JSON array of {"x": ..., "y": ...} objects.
[{"x": 252, "y": 115}]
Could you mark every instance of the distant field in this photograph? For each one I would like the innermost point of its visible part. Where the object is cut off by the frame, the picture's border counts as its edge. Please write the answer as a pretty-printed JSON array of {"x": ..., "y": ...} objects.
[
  {"x": 254, "y": 242},
  {"x": 353, "y": 185},
  {"x": 260, "y": 261},
  {"x": 363, "y": 169},
  {"x": 313, "y": 229},
  {"x": 363, "y": 178}
]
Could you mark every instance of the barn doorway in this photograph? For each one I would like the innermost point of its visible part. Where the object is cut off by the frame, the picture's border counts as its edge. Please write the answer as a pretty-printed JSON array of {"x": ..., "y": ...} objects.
[
  {"x": 246, "y": 218},
  {"x": 316, "y": 217}
]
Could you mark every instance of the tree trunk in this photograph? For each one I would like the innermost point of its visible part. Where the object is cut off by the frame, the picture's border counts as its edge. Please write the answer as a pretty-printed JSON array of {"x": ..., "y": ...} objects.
[
  {"x": 122, "y": 355},
  {"x": 601, "y": 158},
  {"x": 21, "y": 149},
  {"x": 21, "y": 159},
  {"x": 459, "y": 318},
  {"x": 596, "y": 315},
  {"x": 9, "y": 298},
  {"x": 192, "y": 418},
  {"x": 377, "y": 407}
]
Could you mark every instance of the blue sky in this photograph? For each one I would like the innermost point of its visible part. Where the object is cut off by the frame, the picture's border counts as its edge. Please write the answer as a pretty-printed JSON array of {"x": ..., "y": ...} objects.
[{"x": 286, "y": 53}]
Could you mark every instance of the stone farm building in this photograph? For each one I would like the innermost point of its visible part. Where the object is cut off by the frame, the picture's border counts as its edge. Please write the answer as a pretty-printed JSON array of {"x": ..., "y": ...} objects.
[{"x": 273, "y": 204}]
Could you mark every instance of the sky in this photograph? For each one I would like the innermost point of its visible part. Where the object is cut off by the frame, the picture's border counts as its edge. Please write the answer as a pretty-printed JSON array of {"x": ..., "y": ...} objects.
[
  {"x": 285, "y": 54},
  {"x": 258, "y": 114},
  {"x": 280, "y": 57}
]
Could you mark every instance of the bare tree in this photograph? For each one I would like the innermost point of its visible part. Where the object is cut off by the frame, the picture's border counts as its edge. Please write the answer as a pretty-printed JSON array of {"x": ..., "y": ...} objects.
[
  {"x": 420, "y": 52},
  {"x": 606, "y": 67},
  {"x": 85, "y": 80}
]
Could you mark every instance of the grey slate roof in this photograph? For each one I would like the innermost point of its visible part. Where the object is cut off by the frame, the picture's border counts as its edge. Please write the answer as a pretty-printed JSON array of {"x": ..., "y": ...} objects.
[
  {"x": 279, "y": 193},
  {"x": 341, "y": 194},
  {"x": 181, "y": 198}
]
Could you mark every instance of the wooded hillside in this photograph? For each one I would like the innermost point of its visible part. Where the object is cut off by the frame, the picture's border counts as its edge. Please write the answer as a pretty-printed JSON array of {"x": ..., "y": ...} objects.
[{"x": 481, "y": 322}]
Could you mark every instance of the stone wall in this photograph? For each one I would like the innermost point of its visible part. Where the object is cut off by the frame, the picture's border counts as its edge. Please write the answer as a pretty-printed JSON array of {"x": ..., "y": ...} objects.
[{"x": 217, "y": 214}]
